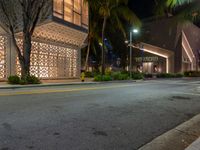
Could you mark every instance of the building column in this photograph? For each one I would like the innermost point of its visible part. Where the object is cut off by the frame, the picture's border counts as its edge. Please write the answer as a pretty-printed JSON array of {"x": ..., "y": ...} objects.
[{"x": 171, "y": 64}]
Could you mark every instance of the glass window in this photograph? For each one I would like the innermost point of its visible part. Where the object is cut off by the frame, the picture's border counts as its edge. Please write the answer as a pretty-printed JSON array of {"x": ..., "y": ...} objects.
[
  {"x": 77, "y": 6},
  {"x": 74, "y": 11},
  {"x": 68, "y": 10},
  {"x": 84, "y": 13},
  {"x": 77, "y": 19},
  {"x": 58, "y": 8}
]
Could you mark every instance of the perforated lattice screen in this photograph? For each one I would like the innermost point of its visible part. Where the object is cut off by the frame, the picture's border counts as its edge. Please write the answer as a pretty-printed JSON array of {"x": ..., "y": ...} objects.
[
  {"x": 50, "y": 61},
  {"x": 2, "y": 57}
]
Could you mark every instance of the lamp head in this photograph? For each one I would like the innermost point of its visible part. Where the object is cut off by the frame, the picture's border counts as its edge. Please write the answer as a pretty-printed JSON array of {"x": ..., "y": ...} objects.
[{"x": 135, "y": 31}]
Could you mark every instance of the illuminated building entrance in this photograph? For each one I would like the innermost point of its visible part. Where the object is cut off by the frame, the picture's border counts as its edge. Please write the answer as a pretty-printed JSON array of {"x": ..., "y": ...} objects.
[{"x": 56, "y": 43}]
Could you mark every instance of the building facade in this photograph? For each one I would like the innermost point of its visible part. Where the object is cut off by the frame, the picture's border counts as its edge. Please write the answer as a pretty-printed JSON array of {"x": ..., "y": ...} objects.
[
  {"x": 168, "y": 47},
  {"x": 56, "y": 43}
]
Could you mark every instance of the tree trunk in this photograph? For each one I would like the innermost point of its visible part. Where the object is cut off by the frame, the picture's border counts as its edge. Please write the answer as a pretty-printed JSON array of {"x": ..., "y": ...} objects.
[
  {"x": 25, "y": 65},
  {"x": 88, "y": 53},
  {"x": 103, "y": 46}
]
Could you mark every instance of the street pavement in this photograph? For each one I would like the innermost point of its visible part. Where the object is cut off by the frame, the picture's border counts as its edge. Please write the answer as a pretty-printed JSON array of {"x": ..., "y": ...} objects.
[{"x": 113, "y": 116}]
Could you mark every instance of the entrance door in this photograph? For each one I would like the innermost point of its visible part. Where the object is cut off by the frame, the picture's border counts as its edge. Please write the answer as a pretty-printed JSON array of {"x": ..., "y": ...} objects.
[{"x": 148, "y": 67}]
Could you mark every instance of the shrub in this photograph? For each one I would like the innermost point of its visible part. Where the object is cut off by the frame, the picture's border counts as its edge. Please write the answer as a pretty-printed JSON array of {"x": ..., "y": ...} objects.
[
  {"x": 137, "y": 76},
  {"x": 120, "y": 76},
  {"x": 108, "y": 72},
  {"x": 102, "y": 78},
  {"x": 13, "y": 79},
  {"x": 97, "y": 78},
  {"x": 179, "y": 75},
  {"x": 29, "y": 80},
  {"x": 148, "y": 75},
  {"x": 192, "y": 73},
  {"x": 107, "y": 78},
  {"x": 89, "y": 74},
  {"x": 165, "y": 75},
  {"x": 115, "y": 75},
  {"x": 33, "y": 80},
  {"x": 170, "y": 75},
  {"x": 124, "y": 77},
  {"x": 23, "y": 82}
]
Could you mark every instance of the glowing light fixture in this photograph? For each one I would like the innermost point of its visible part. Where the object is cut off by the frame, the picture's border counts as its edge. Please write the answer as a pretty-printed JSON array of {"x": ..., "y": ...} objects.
[
  {"x": 158, "y": 54},
  {"x": 135, "y": 31}
]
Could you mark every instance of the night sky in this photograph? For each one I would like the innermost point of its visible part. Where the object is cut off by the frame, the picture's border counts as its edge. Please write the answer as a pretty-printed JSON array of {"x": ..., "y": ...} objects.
[{"x": 142, "y": 8}]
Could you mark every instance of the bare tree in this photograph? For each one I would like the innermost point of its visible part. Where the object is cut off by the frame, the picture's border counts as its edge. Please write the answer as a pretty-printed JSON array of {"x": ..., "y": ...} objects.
[{"x": 22, "y": 16}]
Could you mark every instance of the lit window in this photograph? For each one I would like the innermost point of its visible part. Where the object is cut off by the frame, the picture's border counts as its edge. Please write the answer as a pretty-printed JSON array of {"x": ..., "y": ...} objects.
[
  {"x": 85, "y": 14},
  {"x": 58, "y": 8},
  {"x": 68, "y": 10},
  {"x": 77, "y": 6},
  {"x": 74, "y": 11}
]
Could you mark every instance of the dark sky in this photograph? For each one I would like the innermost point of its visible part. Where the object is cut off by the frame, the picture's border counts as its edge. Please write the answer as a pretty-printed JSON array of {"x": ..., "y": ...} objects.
[{"x": 142, "y": 8}]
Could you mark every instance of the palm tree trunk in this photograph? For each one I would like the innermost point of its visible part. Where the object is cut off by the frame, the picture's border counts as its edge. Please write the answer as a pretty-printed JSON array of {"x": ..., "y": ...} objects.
[
  {"x": 88, "y": 53},
  {"x": 103, "y": 46}
]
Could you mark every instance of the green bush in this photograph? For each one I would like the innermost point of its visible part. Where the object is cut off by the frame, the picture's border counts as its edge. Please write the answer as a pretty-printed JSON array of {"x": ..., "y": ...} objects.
[
  {"x": 23, "y": 82},
  {"x": 192, "y": 73},
  {"x": 116, "y": 75},
  {"x": 137, "y": 76},
  {"x": 119, "y": 76},
  {"x": 98, "y": 78},
  {"x": 107, "y": 78},
  {"x": 165, "y": 75},
  {"x": 32, "y": 80},
  {"x": 29, "y": 80},
  {"x": 179, "y": 75},
  {"x": 124, "y": 77},
  {"x": 14, "y": 80},
  {"x": 89, "y": 74},
  {"x": 102, "y": 78},
  {"x": 170, "y": 75},
  {"x": 148, "y": 75},
  {"x": 108, "y": 72}
]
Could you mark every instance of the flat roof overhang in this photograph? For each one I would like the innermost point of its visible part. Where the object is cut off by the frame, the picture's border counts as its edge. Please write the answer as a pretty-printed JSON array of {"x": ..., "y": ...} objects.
[
  {"x": 60, "y": 33},
  {"x": 167, "y": 54}
]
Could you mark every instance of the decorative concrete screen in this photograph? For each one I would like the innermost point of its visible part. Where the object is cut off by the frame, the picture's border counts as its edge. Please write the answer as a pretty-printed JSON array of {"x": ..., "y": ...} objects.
[
  {"x": 52, "y": 62},
  {"x": 2, "y": 57}
]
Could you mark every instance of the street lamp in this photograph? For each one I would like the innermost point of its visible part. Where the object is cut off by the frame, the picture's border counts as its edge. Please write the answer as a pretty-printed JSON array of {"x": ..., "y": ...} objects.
[{"x": 134, "y": 31}]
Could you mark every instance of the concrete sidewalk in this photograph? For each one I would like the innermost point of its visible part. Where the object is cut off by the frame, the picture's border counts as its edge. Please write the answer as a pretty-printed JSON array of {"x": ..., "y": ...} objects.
[
  {"x": 179, "y": 138},
  {"x": 46, "y": 83},
  {"x": 195, "y": 145}
]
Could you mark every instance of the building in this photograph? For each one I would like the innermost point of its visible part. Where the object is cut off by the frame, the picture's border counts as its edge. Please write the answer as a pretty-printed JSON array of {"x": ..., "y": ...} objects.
[
  {"x": 168, "y": 47},
  {"x": 56, "y": 43}
]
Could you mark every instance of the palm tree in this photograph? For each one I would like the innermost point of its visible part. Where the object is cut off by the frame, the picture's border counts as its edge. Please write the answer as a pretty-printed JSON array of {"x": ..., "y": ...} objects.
[
  {"x": 93, "y": 34},
  {"x": 183, "y": 9},
  {"x": 113, "y": 11}
]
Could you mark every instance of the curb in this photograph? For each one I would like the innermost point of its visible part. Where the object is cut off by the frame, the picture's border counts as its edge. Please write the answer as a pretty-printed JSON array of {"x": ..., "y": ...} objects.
[
  {"x": 195, "y": 145},
  {"x": 63, "y": 84},
  {"x": 45, "y": 85},
  {"x": 178, "y": 138}
]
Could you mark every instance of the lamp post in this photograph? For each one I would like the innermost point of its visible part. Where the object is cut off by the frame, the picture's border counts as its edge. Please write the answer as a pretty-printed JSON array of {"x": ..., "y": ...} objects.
[{"x": 134, "y": 31}]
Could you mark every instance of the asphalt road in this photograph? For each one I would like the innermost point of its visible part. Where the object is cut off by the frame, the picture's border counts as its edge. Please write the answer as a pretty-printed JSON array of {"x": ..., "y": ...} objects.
[{"x": 114, "y": 116}]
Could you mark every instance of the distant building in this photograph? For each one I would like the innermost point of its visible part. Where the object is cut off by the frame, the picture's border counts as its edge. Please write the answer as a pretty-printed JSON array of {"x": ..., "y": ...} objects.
[
  {"x": 168, "y": 47},
  {"x": 56, "y": 43}
]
